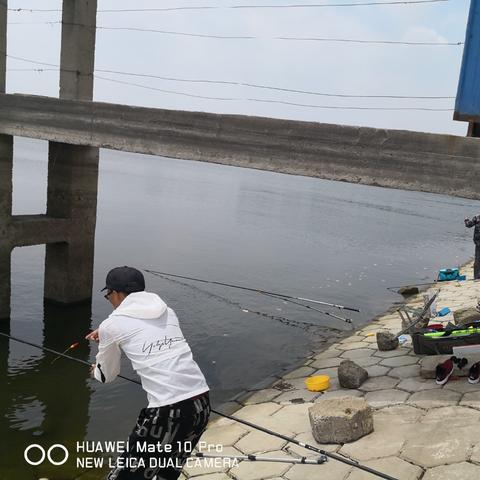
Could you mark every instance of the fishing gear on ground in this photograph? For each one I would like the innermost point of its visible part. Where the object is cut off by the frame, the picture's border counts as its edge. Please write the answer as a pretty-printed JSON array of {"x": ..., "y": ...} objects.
[{"x": 312, "y": 448}]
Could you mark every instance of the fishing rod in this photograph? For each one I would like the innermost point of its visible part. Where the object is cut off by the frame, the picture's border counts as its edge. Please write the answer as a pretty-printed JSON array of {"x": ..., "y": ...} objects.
[
  {"x": 259, "y": 458},
  {"x": 307, "y": 446},
  {"x": 257, "y": 290}
]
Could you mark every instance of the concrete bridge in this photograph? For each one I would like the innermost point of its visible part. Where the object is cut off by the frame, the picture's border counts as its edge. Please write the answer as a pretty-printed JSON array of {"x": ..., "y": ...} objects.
[{"x": 76, "y": 128}]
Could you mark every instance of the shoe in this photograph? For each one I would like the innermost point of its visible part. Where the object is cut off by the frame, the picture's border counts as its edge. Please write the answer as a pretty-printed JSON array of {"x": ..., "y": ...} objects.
[
  {"x": 474, "y": 373},
  {"x": 444, "y": 371}
]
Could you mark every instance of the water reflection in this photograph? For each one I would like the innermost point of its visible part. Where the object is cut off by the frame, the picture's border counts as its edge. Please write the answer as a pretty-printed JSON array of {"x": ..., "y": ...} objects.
[{"x": 42, "y": 402}]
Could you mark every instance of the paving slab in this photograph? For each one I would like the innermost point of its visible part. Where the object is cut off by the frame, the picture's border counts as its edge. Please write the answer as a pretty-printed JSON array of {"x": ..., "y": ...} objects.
[
  {"x": 377, "y": 370},
  {"x": 385, "y": 398},
  {"x": 456, "y": 416},
  {"x": 295, "y": 417},
  {"x": 328, "y": 353},
  {"x": 435, "y": 444},
  {"x": 379, "y": 444},
  {"x": 417, "y": 384},
  {"x": 397, "y": 415},
  {"x": 367, "y": 361},
  {"x": 461, "y": 385},
  {"x": 458, "y": 471},
  {"x": 340, "y": 393},
  {"x": 360, "y": 353},
  {"x": 434, "y": 398},
  {"x": 379, "y": 383},
  {"x": 352, "y": 346},
  {"x": 301, "y": 372},
  {"x": 399, "y": 361},
  {"x": 471, "y": 400},
  {"x": 259, "y": 442},
  {"x": 327, "y": 362},
  {"x": 331, "y": 470},
  {"x": 224, "y": 435},
  {"x": 251, "y": 412},
  {"x": 262, "y": 396},
  {"x": 331, "y": 372},
  {"x": 393, "y": 353},
  {"x": 297, "y": 396},
  {"x": 353, "y": 338},
  {"x": 475, "y": 454},
  {"x": 405, "y": 372},
  {"x": 393, "y": 466}
]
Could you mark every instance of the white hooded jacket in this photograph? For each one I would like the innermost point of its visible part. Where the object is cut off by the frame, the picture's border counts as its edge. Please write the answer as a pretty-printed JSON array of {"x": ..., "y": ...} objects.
[{"x": 149, "y": 334}]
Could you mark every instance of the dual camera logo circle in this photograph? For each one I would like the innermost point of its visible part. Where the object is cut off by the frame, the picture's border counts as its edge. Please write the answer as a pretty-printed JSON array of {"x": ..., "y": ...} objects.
[{"x": 34, "y": 447}]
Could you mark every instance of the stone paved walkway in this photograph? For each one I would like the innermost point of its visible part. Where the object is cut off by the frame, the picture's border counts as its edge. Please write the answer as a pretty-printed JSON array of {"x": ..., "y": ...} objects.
[{"x": 422, "y": 431}]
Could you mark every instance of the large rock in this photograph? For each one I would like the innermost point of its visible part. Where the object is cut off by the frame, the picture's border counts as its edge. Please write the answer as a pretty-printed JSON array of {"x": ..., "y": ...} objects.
[
  {"x": 386, "y": 341},
  {"x": 351, "y": 375},
  {"x": 341, "y": 420},
  {"x": 466, "y": 315},
  {"x": 408, "y": 290}
]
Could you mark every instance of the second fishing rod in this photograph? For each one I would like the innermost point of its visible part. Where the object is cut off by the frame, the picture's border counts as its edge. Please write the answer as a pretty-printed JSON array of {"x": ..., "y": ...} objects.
[
  {"x": 307, "y": 446},
  {"x": 279, "y": 296}
]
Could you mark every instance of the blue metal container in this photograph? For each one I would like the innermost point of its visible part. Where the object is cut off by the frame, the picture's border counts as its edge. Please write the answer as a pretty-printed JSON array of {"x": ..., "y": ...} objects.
[{"x": 467, "y": 105}]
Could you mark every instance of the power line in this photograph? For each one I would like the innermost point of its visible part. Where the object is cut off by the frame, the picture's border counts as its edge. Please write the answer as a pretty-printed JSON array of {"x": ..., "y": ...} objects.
[
  {"x": 256, "y": 100},
  {"x": 248, "y": 37},
  {"x": 351, "y": 108},
  {"x": 238, "y": 7},
  {"x": 278, "y": 101},
  {"x": 224, "y": 82}
]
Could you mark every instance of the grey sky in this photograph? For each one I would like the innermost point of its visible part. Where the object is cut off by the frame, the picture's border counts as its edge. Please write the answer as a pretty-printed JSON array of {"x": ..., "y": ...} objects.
[{"x": 315, "y": 66}]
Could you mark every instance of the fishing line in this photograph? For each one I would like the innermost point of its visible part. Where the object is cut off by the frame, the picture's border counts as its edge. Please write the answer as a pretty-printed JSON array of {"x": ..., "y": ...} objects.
[
  {"x": 307, "y": 446},
  {"x": 284, "y": 320},
  {"x": 257, "y": 290}
]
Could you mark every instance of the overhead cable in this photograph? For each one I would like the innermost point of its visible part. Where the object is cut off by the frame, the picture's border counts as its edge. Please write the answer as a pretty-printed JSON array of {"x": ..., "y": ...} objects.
[
  {"x": 238, "y": 7},
  {"x": 242, "y": 84},
  {"x": 249, "y": 37},
  {"x": 329, "y": 107}
]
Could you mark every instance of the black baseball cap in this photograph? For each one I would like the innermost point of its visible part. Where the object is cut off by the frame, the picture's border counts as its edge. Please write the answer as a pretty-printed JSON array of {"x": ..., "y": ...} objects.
[{"x": 125, "y": 279}]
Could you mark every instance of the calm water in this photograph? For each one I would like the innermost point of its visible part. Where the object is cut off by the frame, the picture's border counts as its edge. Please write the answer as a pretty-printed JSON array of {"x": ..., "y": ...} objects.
[{"x": 332, "y": 241}]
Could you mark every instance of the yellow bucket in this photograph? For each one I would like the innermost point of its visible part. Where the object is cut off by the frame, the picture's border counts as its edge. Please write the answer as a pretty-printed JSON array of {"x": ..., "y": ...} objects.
[{"x": 318, "y": 383}]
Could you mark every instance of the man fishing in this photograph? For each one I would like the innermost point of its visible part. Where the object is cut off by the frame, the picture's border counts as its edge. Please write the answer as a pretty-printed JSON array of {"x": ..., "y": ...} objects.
[
  {"x": 469, "y": 223},
  {"x": 148, "y": 332}
]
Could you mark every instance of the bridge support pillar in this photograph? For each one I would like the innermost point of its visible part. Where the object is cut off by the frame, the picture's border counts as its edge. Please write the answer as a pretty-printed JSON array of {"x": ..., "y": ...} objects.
[{"x": 73, "y": 170}]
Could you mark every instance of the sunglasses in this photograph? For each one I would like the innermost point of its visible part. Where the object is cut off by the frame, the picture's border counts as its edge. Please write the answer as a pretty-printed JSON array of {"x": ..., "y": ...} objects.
[{"x": 109, "y": 292}]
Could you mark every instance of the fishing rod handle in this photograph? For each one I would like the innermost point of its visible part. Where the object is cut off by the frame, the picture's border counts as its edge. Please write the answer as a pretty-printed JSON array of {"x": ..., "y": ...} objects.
[{"x": 351, "y": 309}]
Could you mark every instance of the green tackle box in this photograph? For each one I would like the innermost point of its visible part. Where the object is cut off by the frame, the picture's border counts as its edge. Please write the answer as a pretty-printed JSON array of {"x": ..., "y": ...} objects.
[{"x": 424, "y": 345}]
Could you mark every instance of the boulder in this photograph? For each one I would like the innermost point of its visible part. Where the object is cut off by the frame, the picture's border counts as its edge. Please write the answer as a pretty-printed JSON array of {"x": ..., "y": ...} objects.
[
  {"x": 340, "y": 420},
  {"x": 466, "y": 315},
  {"x": 351, "y": 375},
  {"x": 386, "y": 341},
  {"x": 408, "y": 290}
]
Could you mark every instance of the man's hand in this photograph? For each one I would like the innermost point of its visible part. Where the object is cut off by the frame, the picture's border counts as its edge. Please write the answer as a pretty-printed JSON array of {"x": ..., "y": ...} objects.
[
  {"x": 92, "y": 368},
  {"x": 93, "y": 336}
]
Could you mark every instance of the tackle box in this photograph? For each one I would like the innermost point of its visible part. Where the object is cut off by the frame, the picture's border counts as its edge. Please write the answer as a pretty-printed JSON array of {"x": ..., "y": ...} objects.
[{"x": 425, "y": 345}]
